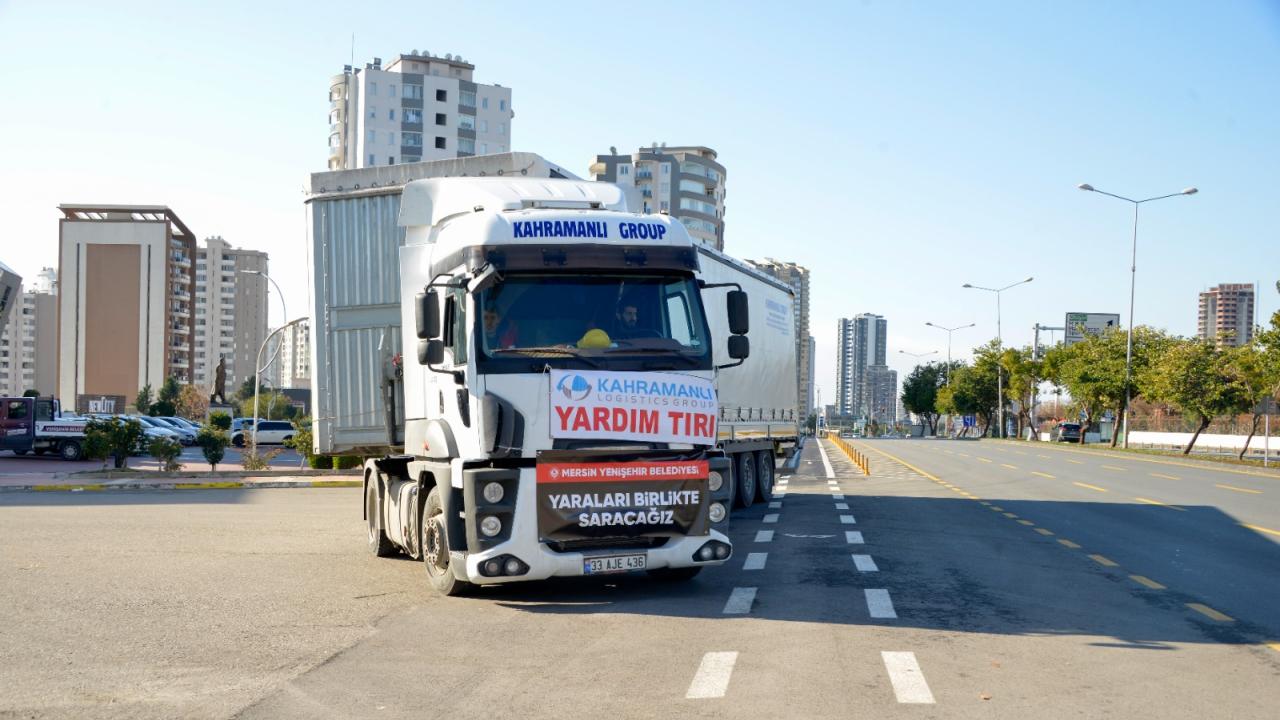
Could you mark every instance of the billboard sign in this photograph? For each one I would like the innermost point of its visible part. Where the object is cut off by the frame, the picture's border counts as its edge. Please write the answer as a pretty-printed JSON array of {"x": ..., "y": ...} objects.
[{"x": 1081, "y": 325}]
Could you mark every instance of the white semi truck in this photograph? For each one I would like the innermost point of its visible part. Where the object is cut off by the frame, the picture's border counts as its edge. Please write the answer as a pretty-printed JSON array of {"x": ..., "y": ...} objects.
[{"x": 566, "y": 388}]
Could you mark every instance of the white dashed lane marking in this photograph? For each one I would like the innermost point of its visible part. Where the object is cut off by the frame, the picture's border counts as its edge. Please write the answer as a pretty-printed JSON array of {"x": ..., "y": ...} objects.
[
  {"x": 837, "y": 497},
  {"x": 755, "y": 561},
  {"x": 853, "y": 537},
  {"x": 844, "y": 520},
  {"x": 764, "y": 536},
  {"x": 908, "y": 681},
  {"x": 712, "y": 678},
  {"x": 864, "y": 563},
  {"x": 826, "y": 461},
  {"x": 775, "y": 505},
  {"x": 842, "y": 506},
  {"x": 771, "y": 518},
  {"x": 740, "y": 601},
  {"x": 879, "y": 604}
]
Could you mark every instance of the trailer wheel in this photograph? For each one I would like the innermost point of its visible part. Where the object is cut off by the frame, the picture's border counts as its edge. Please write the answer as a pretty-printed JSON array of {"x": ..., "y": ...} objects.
[
  {"x": 70, "y": 450},
  {"x": 379, "y": 545},
  {"x": 20, "y": 452},
  {"x": 745, "y": 477},
  {"x": 683, "y": 574},
  {"x": 433, "y": 539},
  {"x": 764, "y": 475}
]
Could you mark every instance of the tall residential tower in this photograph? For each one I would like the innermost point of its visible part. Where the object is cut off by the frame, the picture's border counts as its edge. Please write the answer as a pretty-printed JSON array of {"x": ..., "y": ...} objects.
[
  {"x": 685, "y": 182},
  {"x": 1226, "y": 314},
  {"x": 862, "y": 345},
  {"x": 231, "y": 311},
  {"x": 797, "y": 277}
]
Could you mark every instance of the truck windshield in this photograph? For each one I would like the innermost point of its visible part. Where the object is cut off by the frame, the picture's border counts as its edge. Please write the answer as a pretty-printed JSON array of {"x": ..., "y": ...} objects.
[{"x": 597, "y": 319}]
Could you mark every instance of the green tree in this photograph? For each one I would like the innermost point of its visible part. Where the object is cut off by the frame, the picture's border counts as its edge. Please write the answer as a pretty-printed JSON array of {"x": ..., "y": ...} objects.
[
  {"x": 1257, "y": 369},
  {"x": 272, "y": 405},
  {"x": 220, "y": 420},
  {"x": 245, "y": 392},
  {"x": 31, "y": 393},
  {"x": 112, "y": 437},
  {"x": 213, "y": 442},
  {"x": 192, "y": 403},
  {"x": 143, "y": 401},
  {"x": 920, "y": 393},
  {"x": 1023, "y": 376},
  {"x": 167, "y": 451},
  {"x": 302, "y": 438},
  {"x": 166, "y": 404},
  {"x": 1197, "y": 378}
]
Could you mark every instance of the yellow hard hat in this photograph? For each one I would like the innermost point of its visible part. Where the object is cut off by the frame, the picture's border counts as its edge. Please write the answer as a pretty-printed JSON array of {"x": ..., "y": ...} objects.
[{"x": 595, "y": 339}]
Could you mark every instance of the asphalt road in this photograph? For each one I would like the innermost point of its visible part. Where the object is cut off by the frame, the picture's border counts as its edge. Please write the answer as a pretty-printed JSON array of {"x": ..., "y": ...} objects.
[
  {"x": 192, "y": 459},
  {"x": 894, "y": 595}
]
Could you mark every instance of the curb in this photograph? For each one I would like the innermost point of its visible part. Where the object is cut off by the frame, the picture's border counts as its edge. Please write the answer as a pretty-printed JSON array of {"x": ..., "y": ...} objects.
[{"x": 100, "y": 487}]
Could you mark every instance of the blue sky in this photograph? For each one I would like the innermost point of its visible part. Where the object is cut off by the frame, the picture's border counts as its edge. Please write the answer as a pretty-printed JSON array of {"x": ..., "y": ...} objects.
[{"x": 898, "y": 149}]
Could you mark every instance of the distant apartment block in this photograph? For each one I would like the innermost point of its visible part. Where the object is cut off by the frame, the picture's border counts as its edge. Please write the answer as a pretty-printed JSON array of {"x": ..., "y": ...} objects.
[
  {"x": 295, "y": 357},
  {"x": 231, "y": 312},
  {"x": 797, "y": 277},
  {"x": 685, "y": 182},
  {"x": 29, "y": 344},
  {"x": 125, "y": 301},
  {"x": 863, "y": 343},
  {"x": 880, "y": 394},
  {"x": 419, "y": 107},
  {"x": 1226, "y": 314}
]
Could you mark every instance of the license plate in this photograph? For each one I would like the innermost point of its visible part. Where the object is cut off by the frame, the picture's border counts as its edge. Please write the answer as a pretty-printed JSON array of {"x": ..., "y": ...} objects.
[{"x": 612, "y": 564}]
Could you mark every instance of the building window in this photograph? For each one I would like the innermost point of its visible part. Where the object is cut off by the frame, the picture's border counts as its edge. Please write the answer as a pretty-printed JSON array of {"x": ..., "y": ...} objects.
[
  {"x": 484, "y": 148},
  {"x": 484, "y": 103},
  {"x": 666, "y": 168},
  {"x": 440, "y": 143},
  {"x": 664, "y": 206},
  {"x": 484, "y": 126},
  {"x": 391, "y": 138},
  {"x": 467, "y": 145},
  {"x": 442, "y": 96},
  {"x": 391, "y": 114},
  {"x": 373, "y": 88},
  {"x": 411, "y": 139},
  {"x": 373, "y": 112},
  {"x": 624, "y": 169},
  {"x": 412, "y": 116},
  {"x": 370, "y": 137},
  {"x": 502, "y": 128},
  {"x": 441, "y": 119},
  {"x": 502, "y": 105},
  {"x": 468, "y": 99},
  {"x": 466, "y": 122},
  {"x": 413, "y": 92},
  {"x": 391, "y": 91},
  {"x": 372, "y": 161},
  {"x": 412, "y": 159},
  {"x": 391, "y": 160}
]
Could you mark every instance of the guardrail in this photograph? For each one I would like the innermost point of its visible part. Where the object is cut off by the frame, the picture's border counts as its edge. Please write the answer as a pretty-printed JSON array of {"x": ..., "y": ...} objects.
[{"x": 863, "y": 463}]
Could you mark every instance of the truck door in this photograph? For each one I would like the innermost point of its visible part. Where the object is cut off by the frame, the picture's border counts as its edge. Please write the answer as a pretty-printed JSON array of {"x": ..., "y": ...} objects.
[{"x": 17, "y": 424}]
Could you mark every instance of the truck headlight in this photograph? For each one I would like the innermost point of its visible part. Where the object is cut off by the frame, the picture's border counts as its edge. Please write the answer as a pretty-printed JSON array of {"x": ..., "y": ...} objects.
[
  {"x": 490, "y": 526},
  {"x": 715, "y": 481},
  {"x": 493, "y": 492},
  {"x": 716, "y": 511}
]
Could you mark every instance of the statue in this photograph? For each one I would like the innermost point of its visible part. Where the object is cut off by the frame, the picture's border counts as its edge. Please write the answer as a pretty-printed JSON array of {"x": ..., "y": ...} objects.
[{"x": 219, "y": 383}]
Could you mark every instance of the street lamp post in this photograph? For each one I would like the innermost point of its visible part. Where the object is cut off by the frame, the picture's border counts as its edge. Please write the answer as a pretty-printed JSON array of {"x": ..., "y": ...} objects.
[
  {"x": 946, "y": 428},
  {"x": 257, "y": 374},
  {"x": 1133, "y": 272},
  {"x": 257, "y": 367},
  {"x": 1000, "y": 341}
]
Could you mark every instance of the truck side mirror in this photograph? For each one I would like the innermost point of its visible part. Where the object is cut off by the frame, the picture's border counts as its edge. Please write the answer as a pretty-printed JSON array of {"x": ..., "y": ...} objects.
[
  {"x": 426, "y": 314},
  {"x": 739, "y": 347},
  {"x": 739, "y": 317},
  {"x": 430, "y": 352}
]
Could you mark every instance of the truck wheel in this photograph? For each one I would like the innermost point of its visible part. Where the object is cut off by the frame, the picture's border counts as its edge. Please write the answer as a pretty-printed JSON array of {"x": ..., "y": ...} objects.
[
  {"x": 745, "y": 476},
  {"x": 433, "y": 539},
  {"x": 19, "y": 453},
  {"x": 379, "y": 545},
  {"x": 683, "y": 574},
  {"x": 764, "y": 475},
  {"x": 70, "y": 450}
]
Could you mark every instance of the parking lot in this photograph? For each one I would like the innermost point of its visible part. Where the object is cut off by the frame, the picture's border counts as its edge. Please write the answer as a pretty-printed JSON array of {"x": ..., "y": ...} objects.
[{"x": 191, "y": 459}]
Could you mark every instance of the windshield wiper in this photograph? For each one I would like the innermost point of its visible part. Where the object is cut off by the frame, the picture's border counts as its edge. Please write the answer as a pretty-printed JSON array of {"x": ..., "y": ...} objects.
[
  {"x": 571, "y": 352},
  {"x": 670, "y": 352}
]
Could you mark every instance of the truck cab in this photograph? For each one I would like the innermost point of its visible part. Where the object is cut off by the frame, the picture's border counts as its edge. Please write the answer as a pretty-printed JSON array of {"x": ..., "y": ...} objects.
[
  {"x": 558, "y": 381},
  {"x": 36, "y": 425}
]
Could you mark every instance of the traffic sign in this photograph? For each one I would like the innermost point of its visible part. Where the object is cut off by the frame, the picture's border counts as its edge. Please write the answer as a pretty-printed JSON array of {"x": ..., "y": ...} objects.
[
  {"x": 970, "y": 421},
  {"x": 1081, "y": 325}
]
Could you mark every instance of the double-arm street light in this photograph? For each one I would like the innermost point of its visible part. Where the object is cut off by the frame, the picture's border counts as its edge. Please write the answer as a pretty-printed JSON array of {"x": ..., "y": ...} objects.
[
  {"x": 919, "y": 355},
  {"x": 1133, "y": 271},
  {"x": 948, "y": 331},
  {"x": 1000, "y": 340}
]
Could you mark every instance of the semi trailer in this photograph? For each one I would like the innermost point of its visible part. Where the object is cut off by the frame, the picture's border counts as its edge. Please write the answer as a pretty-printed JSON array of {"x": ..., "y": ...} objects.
[{"x": 549, "y": 384}]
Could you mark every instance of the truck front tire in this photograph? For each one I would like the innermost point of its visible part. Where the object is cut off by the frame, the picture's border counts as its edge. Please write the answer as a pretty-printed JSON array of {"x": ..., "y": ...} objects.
[
  {"x": 70, "y": 450},
  {"x": 379, "y": 545},
  {"x": 433, "y": 539},
  {"x": 744, "y": 475}
]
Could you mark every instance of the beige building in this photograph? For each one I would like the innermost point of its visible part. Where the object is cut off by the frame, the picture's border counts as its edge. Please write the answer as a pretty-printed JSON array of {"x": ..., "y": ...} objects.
[
  {"x": 294, "y": 362},
  {"x": 880, "y": 393},
  {"x": 1226, "y": 314},
  {"x": 685, "y": 182},
  {"x": 29, "y": 345},
  {"x": 125, "y": 302},
  {"x": 231, "y": 312},
  {"x": 797, "y": 277}
]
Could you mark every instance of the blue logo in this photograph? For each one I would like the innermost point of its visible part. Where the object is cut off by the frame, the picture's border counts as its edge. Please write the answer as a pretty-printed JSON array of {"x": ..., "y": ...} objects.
[{"x": 574, "y": 387}]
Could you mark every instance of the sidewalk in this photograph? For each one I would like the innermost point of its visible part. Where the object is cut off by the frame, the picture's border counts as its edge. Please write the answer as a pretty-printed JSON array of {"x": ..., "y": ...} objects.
[
  {"x": 142, "y": 480},
  {"x": 1154, "y": 457}
]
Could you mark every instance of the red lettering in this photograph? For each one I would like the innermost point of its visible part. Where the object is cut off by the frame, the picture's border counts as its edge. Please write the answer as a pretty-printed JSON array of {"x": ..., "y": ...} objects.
[
  {"x": 564, "y": 413},
  {"x": 711, "y": 427},
  {"x": 581, "y": 421},
  {"x": 620, "y": 419},
  {"x": 648, "y": 422},
  {"x": 600, "y": 416},
  {"x": 700, "y": 424},
  {"x": 675, "y": 421}
]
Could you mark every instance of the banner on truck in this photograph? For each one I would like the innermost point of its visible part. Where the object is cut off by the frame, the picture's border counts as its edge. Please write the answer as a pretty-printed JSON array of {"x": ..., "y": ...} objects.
[
  {"x": 664, "y": 498},
  {"x": 640, "y": 406}
]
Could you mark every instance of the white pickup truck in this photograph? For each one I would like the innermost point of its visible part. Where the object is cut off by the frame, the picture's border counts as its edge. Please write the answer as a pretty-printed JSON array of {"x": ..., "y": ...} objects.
[{"x": 36, "y": 425}]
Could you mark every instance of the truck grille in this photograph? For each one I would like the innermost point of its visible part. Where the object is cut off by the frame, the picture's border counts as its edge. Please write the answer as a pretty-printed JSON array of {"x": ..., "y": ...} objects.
[{"x": 608, "y": 543}]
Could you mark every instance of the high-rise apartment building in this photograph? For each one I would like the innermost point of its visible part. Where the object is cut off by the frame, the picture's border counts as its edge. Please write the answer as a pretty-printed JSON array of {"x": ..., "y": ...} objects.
[
  {"x": 862, "y": 344},
  {"x": 295, "y": 357},
  {"x": 1226, "y": 314},
  {"x": 798, "y": 278},
  {"x": 231, "y": 312},
  {"x": 685, "y": 182},
  {"x": 419, "y": 107},
  {"x": 125, "y": 301},
  {"x": 29, "y": 345},
  {"x": 880, "y": 394}
]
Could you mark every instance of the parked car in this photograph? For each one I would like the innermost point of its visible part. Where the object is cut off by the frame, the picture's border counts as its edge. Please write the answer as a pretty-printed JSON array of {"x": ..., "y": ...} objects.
[
  {"x": 183, "y": 422},
  {"x": 1068, "y": 432},
  {"x": 241, "y": 423},
  {"x": 155, "y": 428},
  {"x": 270, "y": 432},
  {"x": 186, "y": 434}
]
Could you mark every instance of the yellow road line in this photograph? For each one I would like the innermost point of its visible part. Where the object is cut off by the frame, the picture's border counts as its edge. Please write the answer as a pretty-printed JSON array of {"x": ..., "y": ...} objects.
[
  {"x": 1113, "y": 467},
  {"x": 1104, "y": 561},
  {"x": 1274, "y": 646},
  {"x": 1162, "y": 475},
  {"x": 1239, "y": 489},
  {"x": 1144, "y": 580},
  {"x": 1044, "y": 532},
  {"x": 1018, "y": 452},
  {"x": 1043, "y": 475},
  {"x": 1207, "y": 466},
  {"x": 1259, "y": 528},
  {"x": 983, "y": 460},
  {"x": 963, "y": 454},
  {"x": 1007, "y": 465},
  {"x": 1148, "y": 501},
  {"x": 1091, "y": 487},
  {"x": 1210, "y": 612},
  {"x": 1069, "y": 544},
  {"x": 1026, "y": 522}
]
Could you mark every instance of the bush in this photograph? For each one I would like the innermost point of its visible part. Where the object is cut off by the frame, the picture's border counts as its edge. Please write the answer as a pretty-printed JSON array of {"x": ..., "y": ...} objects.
[
  {"x": 301, "y": 440},
  {"x": 112, "y": 437},
  {"x": 257, "y": 459},
  {"x": 220, "y": 420},
  {"x": 167, "y": 451},
  {"x": 320, "y": 462},
  {"x": 346, "y": 462},
  {"x": 213, "y": 443}
]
